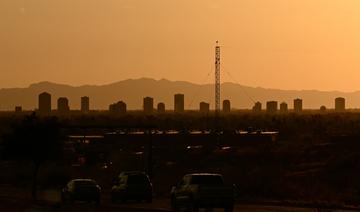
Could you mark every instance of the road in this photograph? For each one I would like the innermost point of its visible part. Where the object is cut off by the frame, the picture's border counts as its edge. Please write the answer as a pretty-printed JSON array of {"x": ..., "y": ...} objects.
[
  {"x": 152, "y": 208},
  {"x": 162, "y": 205},
  {"x": 51, "y": 202}
]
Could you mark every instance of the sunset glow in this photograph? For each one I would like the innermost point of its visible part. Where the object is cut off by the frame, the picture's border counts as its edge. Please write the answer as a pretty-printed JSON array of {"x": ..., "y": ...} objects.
[{"x": 307, "y": 44}]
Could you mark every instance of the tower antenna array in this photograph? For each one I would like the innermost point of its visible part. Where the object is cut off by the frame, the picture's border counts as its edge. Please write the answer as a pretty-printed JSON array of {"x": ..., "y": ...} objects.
[{"x": 217, "y": 77}]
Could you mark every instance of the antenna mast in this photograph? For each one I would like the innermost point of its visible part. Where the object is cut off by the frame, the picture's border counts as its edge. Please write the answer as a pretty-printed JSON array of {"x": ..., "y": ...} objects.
[{"x": 217, "y": 77}]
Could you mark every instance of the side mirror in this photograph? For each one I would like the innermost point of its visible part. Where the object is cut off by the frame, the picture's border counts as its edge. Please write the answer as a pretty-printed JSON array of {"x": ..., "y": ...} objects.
[{"x": 173, "y": 188}]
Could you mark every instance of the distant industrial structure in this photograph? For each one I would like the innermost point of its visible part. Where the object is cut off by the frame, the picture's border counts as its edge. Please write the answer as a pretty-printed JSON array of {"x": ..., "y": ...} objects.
[
  {"x": 148, "y": 105},
  {"x": 283, "y": 107},
  {"x": 179, "y": 103},
  {"x": 85, "y": 104},
  {"x": 298, "y": 105},
  {"x": 204, "y": 107},
  {"x": 226, "y": 106},
  {"x": 118, "y": 108},
  {"x": 340, "y": 104},
  {"x": 44, "y": 103},
  {"x": 63, "y": 105},
  {"x": 257, "y": 107},
  {"x": 18, "y": 109},
  {"x": 271, "y": 106},
  {"x": 217, "y": 77},
  {"x": 161, "y": 107},
  {"x": 322, "y": 108}
]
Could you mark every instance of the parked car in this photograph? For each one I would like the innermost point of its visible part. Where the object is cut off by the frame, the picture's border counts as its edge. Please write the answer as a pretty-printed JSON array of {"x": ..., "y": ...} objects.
[
  {"x": 202, "y": 190},
  {"x": 132, "y": 186},
  {"x": 81, "y": 190}
]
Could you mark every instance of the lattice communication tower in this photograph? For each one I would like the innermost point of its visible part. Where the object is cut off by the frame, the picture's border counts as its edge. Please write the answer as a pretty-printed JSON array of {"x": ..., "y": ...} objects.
[{"x": 217, "y": 77}]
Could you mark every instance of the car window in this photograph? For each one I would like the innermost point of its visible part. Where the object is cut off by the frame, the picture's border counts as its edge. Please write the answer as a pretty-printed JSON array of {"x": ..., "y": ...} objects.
[
  {"x": 181, "y": 183},
  {"x": 116, "y": 181},
  {"x": 138, "y": 179},
  {"x": 207, "y": 180},
  {"x": 85, "y": 183}
]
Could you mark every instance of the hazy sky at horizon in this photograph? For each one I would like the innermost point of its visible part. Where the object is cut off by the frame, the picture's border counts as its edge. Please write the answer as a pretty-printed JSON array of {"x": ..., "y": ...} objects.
[{"x": 304, "y": 44}]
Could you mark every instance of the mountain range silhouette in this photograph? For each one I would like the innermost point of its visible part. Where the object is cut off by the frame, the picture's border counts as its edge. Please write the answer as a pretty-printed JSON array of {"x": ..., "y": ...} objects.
[{"x": 132, "y": 92}]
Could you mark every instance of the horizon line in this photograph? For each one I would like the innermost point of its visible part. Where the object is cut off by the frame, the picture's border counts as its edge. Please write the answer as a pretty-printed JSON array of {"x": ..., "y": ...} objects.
[{"x": 174, "y": 81}]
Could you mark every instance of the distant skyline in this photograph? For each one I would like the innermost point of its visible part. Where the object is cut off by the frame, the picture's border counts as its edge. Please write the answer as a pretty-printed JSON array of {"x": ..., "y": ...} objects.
[
  {"x": 280, "y": 44},
  {"x": 133, "y": 91}
]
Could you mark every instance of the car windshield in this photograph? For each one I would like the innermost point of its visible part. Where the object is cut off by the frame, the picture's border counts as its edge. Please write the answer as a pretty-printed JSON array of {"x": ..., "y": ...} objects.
[
  {"x": 207, "y": 180},
  {"x": 137, "y": 179}
]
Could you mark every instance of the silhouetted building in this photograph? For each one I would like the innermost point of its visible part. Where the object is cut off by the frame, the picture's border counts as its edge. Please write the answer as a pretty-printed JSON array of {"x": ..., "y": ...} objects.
[
  {"x": 257, "y": 107},
  {"x": 179, "y": 103},
  {"x": 226, "y": 106},
  {"x": 112, "y": 108},
  {"x": 298, "y": 107},
  {"x": 204, "y": 107},
  {"x": 161, "y": 108},
  {"x": 18, "y": 109},
  {"x": 271, "y": 106},
  {"x": 63, "y": 105},
  {"x": 85, "y": 104},
  {"x": 118, "y": 108},
  {"x": 322, "y": 108},
  {"x": 283, "y": 107},
  {"x": 340, "y": 104},
  {"x": 44, "y": 103},
  {"x": 148, "y": 105}
]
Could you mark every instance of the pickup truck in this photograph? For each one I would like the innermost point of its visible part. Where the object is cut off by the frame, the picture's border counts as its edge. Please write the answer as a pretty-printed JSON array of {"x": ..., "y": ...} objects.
[{"x": 202, "y": 190}]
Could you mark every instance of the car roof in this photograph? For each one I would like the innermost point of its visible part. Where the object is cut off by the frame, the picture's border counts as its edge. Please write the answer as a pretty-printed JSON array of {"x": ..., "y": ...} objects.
[
  {"x": 132, "y": 173},
  {"x": 83, "y": 180},
  {"x": 204, "y": 174}
]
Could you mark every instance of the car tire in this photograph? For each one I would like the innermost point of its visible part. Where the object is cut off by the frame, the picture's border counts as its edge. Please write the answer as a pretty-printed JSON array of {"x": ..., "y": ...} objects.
[
  {"x": 63, "y": 199},
  {"x": 174, "y": 205},
  {"x": 113, "y": 199},
  {"x": 194, "y": 207},
  {"x": 149, "y": 200},
  {"x": 176, "y": 208},
  {"x": 124, "y": 200},
  {"x": 229, "y": 209}
]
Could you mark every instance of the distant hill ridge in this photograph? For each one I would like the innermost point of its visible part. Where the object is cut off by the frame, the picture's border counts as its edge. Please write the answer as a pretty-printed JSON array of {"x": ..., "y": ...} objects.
[{"x": 132, "y": 92}]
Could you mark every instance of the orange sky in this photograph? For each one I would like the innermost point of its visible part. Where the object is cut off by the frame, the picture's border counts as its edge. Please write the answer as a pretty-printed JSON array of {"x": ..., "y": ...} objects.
[{"x": 304, "y": 44}]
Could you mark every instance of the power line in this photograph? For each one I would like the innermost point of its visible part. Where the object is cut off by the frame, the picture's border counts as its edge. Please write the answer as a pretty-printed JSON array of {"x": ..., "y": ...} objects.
[{"x": 244, "y": 91}]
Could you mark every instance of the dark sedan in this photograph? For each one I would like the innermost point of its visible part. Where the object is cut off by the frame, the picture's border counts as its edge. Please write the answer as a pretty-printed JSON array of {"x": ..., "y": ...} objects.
[{"x": 132, "y": 186}]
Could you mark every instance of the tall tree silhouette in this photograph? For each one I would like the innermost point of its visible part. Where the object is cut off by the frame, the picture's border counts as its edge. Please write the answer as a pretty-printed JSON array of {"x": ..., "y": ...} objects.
[{"x": 35, "y": 139}]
